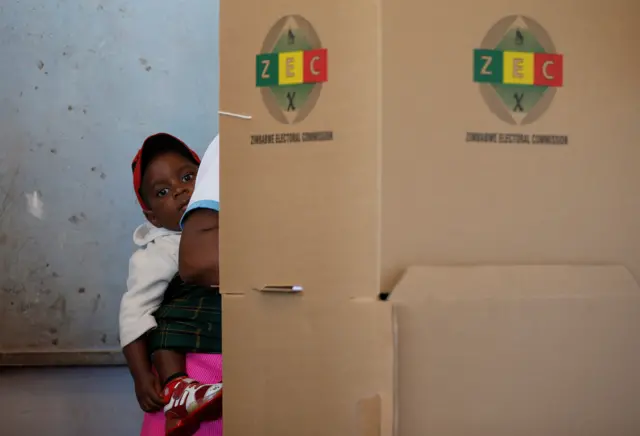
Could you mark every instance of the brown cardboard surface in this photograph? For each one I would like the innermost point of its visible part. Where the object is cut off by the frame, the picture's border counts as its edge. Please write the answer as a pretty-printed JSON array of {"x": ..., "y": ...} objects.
[
  {"x": 399, "y": 185},
  {"x": 482, "y": 350},
  {"x": 499, "y": 351},
  {"x": 298, "y": 366},
  {"x": 448, "y": 201},
  {"x": 301, "y": 213}
]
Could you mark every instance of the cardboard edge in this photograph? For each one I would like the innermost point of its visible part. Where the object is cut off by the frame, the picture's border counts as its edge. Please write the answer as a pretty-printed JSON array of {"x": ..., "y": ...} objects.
[
  {"x": 20, "y": 358},
  {"x": 468, "y": 282},
  {"x": 395, "y": 400},
  {"x": 369, "y": 413}
]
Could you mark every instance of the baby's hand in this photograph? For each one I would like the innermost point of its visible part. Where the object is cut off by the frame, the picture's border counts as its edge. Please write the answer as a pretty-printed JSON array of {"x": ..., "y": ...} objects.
[{"x": 149, "y": 393}]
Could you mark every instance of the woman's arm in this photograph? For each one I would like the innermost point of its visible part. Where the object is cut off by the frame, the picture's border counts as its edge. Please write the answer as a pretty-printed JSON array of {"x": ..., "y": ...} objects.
[
  {"x": 198, "y": 257},
  {"x": 199, "y": 251}
]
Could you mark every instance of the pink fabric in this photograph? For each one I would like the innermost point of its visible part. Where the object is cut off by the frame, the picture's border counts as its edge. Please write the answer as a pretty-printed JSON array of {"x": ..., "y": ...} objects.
[{"x": 205, "y": 368}]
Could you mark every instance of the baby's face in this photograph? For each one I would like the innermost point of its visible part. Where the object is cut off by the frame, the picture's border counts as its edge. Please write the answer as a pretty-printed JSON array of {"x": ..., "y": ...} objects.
[{"x": 167, "y": 185}]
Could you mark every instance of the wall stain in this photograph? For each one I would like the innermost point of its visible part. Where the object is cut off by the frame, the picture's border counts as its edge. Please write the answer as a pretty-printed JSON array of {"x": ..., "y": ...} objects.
[
  {"x": 145, "y": 63},
  {"x": 103, "y": 338},
  {"x": 7, "y": 200},
  {"x": 96, "y": 303},
  {"x": 40, "y": 65},
  {"x": 81, "y": 290},
  {"x": 76, "y": 219},
  {"x": 60, "y": 306},
  {"x": 54, "y": 151},
  {"x": 16, "y": 290}
]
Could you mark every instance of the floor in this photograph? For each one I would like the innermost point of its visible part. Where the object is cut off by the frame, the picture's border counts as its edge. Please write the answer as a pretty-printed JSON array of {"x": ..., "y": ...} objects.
[{"x": 96, "y": 401}]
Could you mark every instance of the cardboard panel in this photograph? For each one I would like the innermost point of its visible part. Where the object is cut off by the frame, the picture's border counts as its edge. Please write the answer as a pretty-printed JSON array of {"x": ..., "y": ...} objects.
[
  {"x": 449, "y": 200},
  {"x": 498, "y": 351},
  {"x": 298, "y": 366},
  {"x": 300, "y": 184}
]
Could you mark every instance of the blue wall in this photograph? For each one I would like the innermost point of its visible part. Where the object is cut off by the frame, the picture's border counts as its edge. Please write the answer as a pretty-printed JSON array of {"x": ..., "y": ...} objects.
[{"x": 82, "y": 84}]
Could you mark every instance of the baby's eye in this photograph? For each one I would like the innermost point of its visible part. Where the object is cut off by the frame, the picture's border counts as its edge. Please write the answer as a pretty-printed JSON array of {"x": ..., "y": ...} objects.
[
  {"x": 187, "y": 177},
  {"x": 162, "y": 192}
]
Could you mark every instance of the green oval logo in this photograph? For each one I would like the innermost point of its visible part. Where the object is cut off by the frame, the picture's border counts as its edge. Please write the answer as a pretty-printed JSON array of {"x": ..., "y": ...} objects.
[
  {"x": 518, "y": 70},
  {"x": 291, "y": 69}
]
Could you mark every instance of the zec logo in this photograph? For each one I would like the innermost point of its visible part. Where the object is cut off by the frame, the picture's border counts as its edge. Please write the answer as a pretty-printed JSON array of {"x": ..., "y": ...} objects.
[
  {"x": 518, "y": 70},
  {"x": 290, "y": 69}
]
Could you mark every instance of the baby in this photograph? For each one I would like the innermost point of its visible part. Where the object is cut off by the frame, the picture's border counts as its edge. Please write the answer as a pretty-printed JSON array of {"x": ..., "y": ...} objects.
[{"x": 161, "y": 316}]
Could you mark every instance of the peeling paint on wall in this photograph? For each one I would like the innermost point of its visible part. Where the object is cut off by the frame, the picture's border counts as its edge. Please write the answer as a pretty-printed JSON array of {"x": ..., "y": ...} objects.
[{"x": 34, "y": 204}]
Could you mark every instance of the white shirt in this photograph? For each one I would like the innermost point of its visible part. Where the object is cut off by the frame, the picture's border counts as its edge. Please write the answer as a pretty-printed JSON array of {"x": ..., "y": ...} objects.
[
  {"x": 206, "y": 194},
  {"x": 151, "y": 268}
]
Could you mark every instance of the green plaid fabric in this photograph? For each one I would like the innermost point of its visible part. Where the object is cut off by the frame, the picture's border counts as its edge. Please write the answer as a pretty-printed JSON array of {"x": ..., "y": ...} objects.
[{"x": 189, "y": 320}]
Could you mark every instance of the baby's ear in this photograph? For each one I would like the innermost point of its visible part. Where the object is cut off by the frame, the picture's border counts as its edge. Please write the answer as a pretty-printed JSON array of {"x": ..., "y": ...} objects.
[{"x": 149, "y": 215}]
